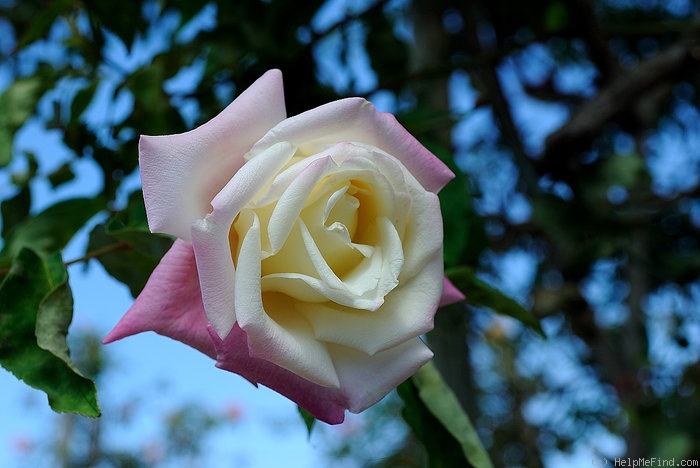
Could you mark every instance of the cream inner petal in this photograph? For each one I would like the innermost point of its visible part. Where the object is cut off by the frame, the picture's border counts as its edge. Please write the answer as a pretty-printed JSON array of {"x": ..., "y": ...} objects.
[
  {"x": 332, "y": 240},
  {"x": 332, "y": 228},
  {"x": 285, "y": 340}
]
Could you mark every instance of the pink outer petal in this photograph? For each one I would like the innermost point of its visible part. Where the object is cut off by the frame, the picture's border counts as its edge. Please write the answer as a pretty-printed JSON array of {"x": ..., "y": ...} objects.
[
  {"x": 450, "y": 294},
  {"x": 364, "y": 379},
  {"x": 170, "y": 304},
  {"x": 355, "y": 119},
  {"x": 326, "y": 404},
  {"x": 182, "y": 173}
]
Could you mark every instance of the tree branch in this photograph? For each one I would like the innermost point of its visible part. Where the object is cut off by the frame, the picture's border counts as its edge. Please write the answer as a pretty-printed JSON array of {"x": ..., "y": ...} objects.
[
  {"x": 560, "y": 157},
  {"x": 586, "y": 24}
]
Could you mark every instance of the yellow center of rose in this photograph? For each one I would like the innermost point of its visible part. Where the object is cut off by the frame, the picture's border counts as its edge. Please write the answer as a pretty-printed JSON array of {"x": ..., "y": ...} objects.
[{"x": 343, "y": 245}]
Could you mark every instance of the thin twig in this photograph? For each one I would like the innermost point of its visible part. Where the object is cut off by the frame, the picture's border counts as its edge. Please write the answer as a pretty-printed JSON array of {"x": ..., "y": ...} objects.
[
  {"x": 88, "y": 256},
  {"x": 98, "y": 253}
]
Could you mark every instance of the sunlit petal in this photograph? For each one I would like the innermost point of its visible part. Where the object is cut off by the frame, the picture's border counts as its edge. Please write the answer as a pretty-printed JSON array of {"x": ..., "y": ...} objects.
[
  {"x": 210, "y": 236},
  {"x": 182, "y": 173},
  {"x": 355, "y": 119}
]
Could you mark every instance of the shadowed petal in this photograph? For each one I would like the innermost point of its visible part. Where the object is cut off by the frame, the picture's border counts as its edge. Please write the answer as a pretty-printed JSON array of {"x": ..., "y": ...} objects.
[
  {"x": 286, "y": 341},
  {"x": 406, "y": 313},
  {"x": 170, "y": 303},
  {"x": 364, "y": 379},
  {"x": 326, "y": 404},
  {"x": 367, "y": 379},
  {"x": 182, "y": 173}
]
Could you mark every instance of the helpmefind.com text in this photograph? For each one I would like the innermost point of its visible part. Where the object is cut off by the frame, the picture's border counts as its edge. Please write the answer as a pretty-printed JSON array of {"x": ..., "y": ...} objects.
[{"x": 640, "y": 462}]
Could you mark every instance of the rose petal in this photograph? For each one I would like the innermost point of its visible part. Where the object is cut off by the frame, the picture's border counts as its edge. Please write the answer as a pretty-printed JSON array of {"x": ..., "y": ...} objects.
[
  {"x": 362, "y": 288},
  {"x": 170, "y": 303},
  {"x": 450, "y": 294},
  {"x": 286, "y": 340},
  {"x": 181, "y": 173},
  {"x": 406, "y": 313},
  {"x": 364, "y": 379},
  {"x": 292, "y": 200},
  {"x": 424, "y": 237},
  {"x": 326, "y": 404},
  {"x": 356, "y": 120},
  {"x": 210, "y": 236}
]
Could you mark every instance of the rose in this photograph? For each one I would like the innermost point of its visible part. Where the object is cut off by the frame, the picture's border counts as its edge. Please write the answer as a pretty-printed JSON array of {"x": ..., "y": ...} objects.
[{"x": 309, "y": 250}]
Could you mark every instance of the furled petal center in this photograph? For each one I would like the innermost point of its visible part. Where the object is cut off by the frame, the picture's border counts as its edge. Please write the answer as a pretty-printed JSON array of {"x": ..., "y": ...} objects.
[{"x": 328, "y": 234}]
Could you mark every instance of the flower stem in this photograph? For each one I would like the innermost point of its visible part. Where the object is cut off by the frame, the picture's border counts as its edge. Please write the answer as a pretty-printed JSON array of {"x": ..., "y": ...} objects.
[
  {"x": 99, "y": 252},
  {"x": 88, "y": 256}
]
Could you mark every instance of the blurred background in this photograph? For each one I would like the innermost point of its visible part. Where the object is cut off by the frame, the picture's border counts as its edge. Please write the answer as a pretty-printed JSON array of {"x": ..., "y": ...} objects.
[{"x": 574, "y": 130}]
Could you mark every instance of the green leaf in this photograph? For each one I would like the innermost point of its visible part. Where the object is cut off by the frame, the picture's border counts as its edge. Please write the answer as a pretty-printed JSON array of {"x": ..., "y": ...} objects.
[
  {"x": 125, "y": 21},
  {"x": 6, "y": 141},
  {"x": 61, "y": 175},
  {"x": 24, "y": 178},
  {"x": 82, "y": 100},
  {"x": 132, "y": 252},
  {"x": 556, "y": 17},
  {"x": 308, "y": 418},
  {"x": 465, "y": 237},
  {"x": 15, "y": 209},
  {"x": 626, "y": 170},
  {"x": 152, "y": 106},
  {"x": 438, "y": 420},
  {"x": 42, "y": 21},
  {"x": 53, "y": 228},
  {"x": 480, "y": 294},
  {"x": 18, "y": 101},
  {"x": 37, "y": 307},
  {"x": 55, "y": 313},
  {"x": 17, "y": 104}
]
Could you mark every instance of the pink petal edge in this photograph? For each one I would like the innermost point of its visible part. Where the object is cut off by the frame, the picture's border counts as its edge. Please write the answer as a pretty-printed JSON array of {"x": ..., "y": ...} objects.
[
  {"x": 424, "y": 165},
  {"x": 170, "y": 303},
  {"x": 450, "y": 294},
  {"x": 364, "y": 379}
]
